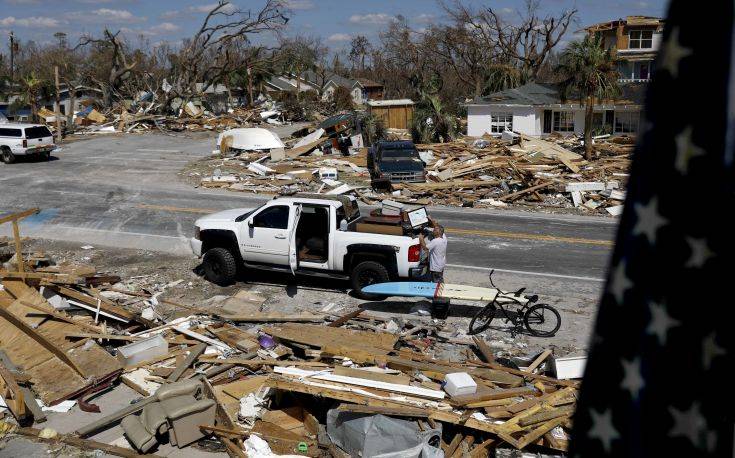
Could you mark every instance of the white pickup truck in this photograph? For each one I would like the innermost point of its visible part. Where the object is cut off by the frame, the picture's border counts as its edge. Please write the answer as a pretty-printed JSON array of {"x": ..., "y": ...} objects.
[
  {"x": 304, "y": 234},
  {"x": 18, "y": 139}
]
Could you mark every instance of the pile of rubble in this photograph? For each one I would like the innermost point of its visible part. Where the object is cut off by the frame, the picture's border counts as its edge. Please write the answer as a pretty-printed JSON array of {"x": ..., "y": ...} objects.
[
  {"x": 469, "y": 172},
  {"x": 141, "y": 118},
  {"x": 259, "y": 381}
]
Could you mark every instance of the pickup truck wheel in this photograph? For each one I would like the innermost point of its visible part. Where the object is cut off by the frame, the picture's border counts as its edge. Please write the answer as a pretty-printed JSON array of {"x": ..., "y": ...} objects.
[
  {"x": 220, "y": 266},
  {"x": 7, "y": 156},
  {"x": 368, "y": 273}
]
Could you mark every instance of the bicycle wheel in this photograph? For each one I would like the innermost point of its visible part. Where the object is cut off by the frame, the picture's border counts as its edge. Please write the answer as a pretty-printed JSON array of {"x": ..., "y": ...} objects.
[
  {"x": 482, "y": 319},
  {"x": 542, "y": 320}
]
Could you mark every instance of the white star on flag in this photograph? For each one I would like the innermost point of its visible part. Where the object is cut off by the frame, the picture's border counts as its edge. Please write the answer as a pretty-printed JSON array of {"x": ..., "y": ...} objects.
[
  {"x": 649, "y": 220},
  {"x": 686, "y": 150},
  {"x": 633, "y": 381},
  {"x": 620, "y": 283},
  {"x": 673, "y": 52},
  {"x": 700, "y": 252},
  {"x": 603, "y": 429},
  {"x": 660, "y": 323},
  {"x": 688, "y": 423},
  {"x": 710, "y": 351}
]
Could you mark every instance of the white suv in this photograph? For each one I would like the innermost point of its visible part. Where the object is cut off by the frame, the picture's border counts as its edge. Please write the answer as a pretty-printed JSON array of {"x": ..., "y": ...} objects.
[{"x": 18, "y": 139}]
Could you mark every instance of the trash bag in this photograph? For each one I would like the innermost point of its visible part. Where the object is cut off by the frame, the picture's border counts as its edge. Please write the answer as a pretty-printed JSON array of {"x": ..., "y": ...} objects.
[{"x": 379, "y": 436}]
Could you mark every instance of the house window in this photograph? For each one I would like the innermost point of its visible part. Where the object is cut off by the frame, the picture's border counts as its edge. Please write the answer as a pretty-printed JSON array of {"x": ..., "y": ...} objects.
[
  {"x": 626, "y": 122},
  {"x": 640, "y": 39},
  {"x": 636, "y": 71},
  {"x": 500, "y": 122},
  {"x": 563, "y": 121}
]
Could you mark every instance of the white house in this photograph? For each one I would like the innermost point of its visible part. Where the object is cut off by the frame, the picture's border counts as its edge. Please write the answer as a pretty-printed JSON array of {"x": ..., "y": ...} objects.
[{"x": 537, "y": 109}]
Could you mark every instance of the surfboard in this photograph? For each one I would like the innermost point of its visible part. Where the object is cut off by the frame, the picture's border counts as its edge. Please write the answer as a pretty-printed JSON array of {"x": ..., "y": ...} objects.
[{"x": 432, "y": 290}]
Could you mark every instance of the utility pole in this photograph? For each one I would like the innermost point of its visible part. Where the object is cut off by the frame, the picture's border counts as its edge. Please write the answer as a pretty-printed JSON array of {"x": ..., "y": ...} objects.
[
  {"x": 12, "y": 57},
  {"x": 57, "y": 114}
]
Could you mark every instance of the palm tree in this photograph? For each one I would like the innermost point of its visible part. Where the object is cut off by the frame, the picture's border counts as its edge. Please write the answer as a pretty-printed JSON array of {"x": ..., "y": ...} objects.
[
  {"x": 31, "y": 86},
  {"x": 431, "y": 122},
  {"x": 590, "y": 71}
]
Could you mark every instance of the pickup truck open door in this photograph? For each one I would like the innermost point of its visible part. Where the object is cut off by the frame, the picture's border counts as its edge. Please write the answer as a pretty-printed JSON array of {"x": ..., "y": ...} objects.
[{"x": 293, "y": 255}]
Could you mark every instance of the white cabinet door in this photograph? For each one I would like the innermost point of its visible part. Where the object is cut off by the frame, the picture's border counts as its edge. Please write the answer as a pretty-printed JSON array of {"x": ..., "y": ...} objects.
[{"x": 265, "y": 236}]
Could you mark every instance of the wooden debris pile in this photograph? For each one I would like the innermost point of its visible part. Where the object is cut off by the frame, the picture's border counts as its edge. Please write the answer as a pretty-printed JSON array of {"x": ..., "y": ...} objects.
[
  {"x": 486, "y": 172},
  {"x": 67, "y": 332}
]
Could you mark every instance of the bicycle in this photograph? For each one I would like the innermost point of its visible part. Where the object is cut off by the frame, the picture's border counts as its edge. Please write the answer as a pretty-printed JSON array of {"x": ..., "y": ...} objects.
[{"x": 541, "y": 320}]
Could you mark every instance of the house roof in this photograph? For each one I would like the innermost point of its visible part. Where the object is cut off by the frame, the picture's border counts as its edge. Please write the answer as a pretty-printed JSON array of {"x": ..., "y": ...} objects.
[
  {"x": 631, "y": 21},
  {"x": 364, "y": 82},
  {"x": 340, "y": 81},
  {"x": 542, "y": 94},
  {"x": 280, "y": 84}
]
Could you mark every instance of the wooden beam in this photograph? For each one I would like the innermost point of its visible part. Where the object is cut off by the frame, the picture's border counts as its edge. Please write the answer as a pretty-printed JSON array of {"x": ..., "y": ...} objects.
[
  {"x": 10, "y": 387},
  {"x": 260, "y": 362},
  {"x": 18, "y": 248},
  {"x": 105, "y": 305},
  {"x": 28, "y": 397},
  {"x": 516, "y": 195},
  {"x": 61, "y": 316},
  {"x": 86, "y": 444},
  {"x": 35, "y": 335},
  {"x": 390, "y": 411},
  {"x": 485, "y": 351},
  {"x": 18, "y": 216},
  {"x": 194, "y": 353},
  {"x": 345, "y": 318},
  {"x": 540, "y": 359}
]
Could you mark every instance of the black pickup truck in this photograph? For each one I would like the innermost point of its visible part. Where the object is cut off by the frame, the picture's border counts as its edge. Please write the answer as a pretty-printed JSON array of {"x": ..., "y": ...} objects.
[{"x": 395, "y": 162}]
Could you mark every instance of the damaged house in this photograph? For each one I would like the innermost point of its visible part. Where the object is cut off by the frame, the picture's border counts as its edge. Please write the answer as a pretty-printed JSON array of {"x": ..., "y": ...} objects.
[
  {"x": 539, "y": 110},
  {"x": 636, "y": 40}
]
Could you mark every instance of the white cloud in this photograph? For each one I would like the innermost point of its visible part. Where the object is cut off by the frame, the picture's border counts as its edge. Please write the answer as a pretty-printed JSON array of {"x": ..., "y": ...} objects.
[
  {"x": 105, "y": 15},
  {"x": 425, "y": 18},
  {"x": 228, "y": 8},
  {"x": 300, "y": 4},
  {"x": 34, "y": 21},
  {"x": 170, "y": 14},
  {"x": 164, "y": 27},
  {"x": 506, "y": 10},
  {"x": 371, "y": 18},
  {"x": 94, "y": 2},
  {"x": 335, "y": 37}
]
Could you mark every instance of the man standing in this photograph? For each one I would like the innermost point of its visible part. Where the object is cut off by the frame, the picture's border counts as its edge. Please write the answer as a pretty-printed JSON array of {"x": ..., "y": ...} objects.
[{"x": 437, "y": 248}]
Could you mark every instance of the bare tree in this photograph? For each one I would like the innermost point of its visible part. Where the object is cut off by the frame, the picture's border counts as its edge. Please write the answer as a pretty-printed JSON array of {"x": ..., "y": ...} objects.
[
  {"x": 524, "y": 43},
  {"x": 359, "y": 50},
  {"x": 119, "y": 66},
  {"x": 219, "y": 47}
]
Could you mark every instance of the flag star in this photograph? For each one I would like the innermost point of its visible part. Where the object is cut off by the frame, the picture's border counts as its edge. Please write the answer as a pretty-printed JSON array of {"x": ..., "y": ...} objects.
[
  {"x": 689, "y": 424},
  {"x": 620, "y": 283},
  {"x": 603, "y": 429},
  {"x": 649, "y": 220},
  {"x": 686, "y": 150},
  {"x": 633, "y": 380},
  {"x": 660, "y": 323},
  {"x": 710, "y": 351},
  {"x": 673, "y": 52},
  {"x": 700, "y": 252}
]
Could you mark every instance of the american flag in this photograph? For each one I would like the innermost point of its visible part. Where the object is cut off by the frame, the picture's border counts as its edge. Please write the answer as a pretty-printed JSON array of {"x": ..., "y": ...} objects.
[{"x": 656, "y": 383}]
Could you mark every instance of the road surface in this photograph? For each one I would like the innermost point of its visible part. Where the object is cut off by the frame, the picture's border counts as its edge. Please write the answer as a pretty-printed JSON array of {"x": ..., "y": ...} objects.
[{"x": 125, "y": 191}]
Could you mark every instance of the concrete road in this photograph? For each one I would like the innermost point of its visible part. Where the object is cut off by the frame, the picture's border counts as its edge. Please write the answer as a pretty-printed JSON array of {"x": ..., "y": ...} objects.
[{"x": 125, "y": 191}]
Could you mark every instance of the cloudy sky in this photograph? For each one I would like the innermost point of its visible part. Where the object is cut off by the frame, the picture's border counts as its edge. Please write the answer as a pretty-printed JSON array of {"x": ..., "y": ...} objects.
[{"x": 336, "y": 21}]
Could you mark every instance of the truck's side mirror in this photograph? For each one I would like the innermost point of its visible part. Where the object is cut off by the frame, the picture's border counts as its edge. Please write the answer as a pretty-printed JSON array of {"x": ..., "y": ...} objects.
[
  {"x": 343, "y": 225},
  {"x": 250, "y": 224}
]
